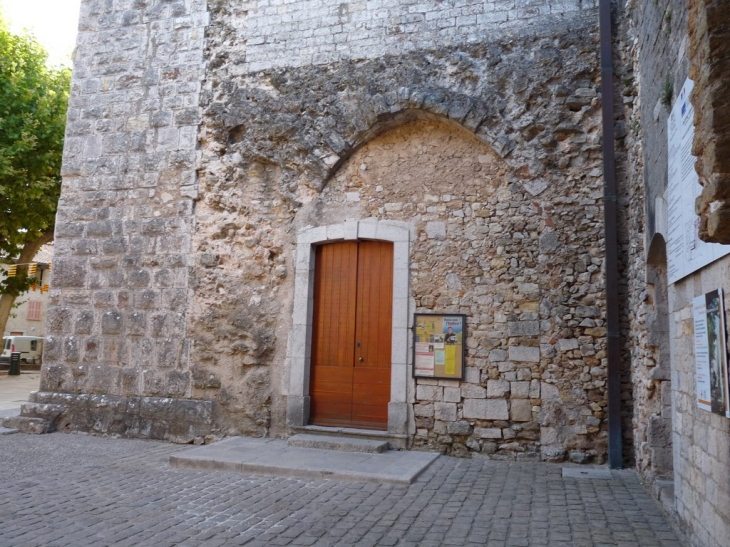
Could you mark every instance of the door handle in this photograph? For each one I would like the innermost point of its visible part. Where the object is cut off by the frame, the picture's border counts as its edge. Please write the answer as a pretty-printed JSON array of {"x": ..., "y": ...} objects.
[{"x": 361, "y": 360}]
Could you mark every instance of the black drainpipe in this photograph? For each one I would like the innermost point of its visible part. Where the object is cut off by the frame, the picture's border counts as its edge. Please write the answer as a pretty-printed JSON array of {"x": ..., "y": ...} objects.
[{"x": 613, "y": 343}]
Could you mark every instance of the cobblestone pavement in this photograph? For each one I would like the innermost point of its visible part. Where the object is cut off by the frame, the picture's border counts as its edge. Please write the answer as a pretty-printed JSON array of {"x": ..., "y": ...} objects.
[{"x": 78, "y": 490}]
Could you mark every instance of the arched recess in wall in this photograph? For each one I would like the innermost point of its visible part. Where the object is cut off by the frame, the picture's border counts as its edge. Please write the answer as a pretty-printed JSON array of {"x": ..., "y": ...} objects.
[
  {"x": 425, "y": 184},
  {"x": 479, "y": 128},
  {"x": 659, "y": 426}
]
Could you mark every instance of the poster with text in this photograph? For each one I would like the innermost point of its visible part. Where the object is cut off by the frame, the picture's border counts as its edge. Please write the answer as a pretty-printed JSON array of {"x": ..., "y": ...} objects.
[
  {"x": 711, "y": 362},
  {"x": 439, "y": 346},
  {"x": 686, "y": 253},
  {"x": 702, "y": 363}
]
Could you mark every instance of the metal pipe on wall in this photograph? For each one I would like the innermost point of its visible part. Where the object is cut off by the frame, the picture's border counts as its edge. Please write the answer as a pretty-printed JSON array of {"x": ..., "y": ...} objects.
[{"x": 613, "y": 341}]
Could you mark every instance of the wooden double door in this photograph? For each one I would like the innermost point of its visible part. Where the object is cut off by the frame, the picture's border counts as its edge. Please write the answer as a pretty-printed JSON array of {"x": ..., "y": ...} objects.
[{"x": 351, "y": 334}]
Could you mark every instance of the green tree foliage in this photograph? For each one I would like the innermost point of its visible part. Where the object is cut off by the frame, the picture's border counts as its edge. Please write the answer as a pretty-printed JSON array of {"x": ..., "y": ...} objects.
[{"x": 33, "y": 102}]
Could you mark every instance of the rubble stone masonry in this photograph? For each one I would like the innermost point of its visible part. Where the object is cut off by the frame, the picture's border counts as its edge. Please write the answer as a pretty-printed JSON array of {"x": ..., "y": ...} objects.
[{"x": 203, "y": 138}]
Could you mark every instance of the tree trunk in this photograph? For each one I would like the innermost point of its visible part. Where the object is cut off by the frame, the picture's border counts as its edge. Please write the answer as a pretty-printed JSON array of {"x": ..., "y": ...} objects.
[{"x": 26, "y": 255}]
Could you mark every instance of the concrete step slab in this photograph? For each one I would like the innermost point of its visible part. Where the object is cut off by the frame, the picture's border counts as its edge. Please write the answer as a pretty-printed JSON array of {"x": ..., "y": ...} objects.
[
  {"x": 276, "y": 457},
  {"x": 343, "y": 444},
  {"x": 395, "y": 441}
]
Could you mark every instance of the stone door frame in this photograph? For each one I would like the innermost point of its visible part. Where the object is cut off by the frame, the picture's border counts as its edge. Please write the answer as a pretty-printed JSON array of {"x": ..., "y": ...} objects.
[{"x": 300, "y": 338}]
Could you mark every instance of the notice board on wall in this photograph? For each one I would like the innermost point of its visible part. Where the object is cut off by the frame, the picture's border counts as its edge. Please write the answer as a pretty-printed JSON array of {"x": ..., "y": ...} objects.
[
  {"x": 711, "y": 363},
  {"x": 686, "y": 252},
  {"x": 439, "y": 343}
]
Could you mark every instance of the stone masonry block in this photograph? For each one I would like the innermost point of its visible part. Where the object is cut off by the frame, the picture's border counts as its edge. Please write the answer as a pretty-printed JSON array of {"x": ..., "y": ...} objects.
[
  {"x": 452, "y": 394},
  {"x": 497, "y": 389},
  {"x": 445, "y": 411},
  {"x": 523, "y": 328},
  {"x": 568, "y": 344},
  {"x": 428, "y": 393},
  {"x": 111, "y": 322},
  {"x": 488, "y": 432},
  {"x": 423, "y": 410},
  {"x": 520, "y": 390},
  {"x": 459, "y": 428},
  {"x": 473, "y": 375},
  {"x": 470, "y": 391},
  {"x": 521, "y": 410},
  {"x": 524, "y": 354},
  {"x": 486, "y": 409},
  {"x": 659, "y": 432}
]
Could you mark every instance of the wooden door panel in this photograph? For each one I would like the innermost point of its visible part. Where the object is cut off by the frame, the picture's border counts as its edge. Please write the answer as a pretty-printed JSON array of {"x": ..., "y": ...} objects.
[
  {"x": 370, "y": 417},
  {"x": 373, "y": 329},
  {"x": 351, "y": 334},
  {"x": 333, "y": 332}
]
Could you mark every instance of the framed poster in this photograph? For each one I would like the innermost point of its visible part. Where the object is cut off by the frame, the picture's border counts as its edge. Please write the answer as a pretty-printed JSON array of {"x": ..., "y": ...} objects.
[
  {"x": 711, "y": 363},
  {"x": 439, "y": 346}
]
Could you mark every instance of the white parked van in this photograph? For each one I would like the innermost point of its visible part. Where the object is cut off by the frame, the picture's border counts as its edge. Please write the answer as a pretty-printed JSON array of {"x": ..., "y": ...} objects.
[{"x": 29, "y": 347}]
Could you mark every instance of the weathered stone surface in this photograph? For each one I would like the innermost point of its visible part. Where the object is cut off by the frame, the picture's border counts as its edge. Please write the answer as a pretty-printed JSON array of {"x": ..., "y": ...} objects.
[
  {"x": 217, "y": 131},
  {"x": 520, "y": 390},
  {"x": 524, "y": 328},
  {"x": 524, "y": 354},
  {"x": 488, "y": 432},
  {"x": 473, "y": 392},
  {"x": 520, "y": 410},
  {"x": 486, "y": 409},
  {"x": 445, "y": 411},
  {"x": 497, "y": 388},
  {"x": 172, "y": 419},
  {"x": 459, "y": 428},
  {"x": 568, "y": 344}
]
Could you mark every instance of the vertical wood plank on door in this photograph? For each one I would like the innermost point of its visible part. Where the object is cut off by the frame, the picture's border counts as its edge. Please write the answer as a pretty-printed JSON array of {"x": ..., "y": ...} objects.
[
  {"x": 373, "y": 327},
  {"x": 333, "y": 333}
]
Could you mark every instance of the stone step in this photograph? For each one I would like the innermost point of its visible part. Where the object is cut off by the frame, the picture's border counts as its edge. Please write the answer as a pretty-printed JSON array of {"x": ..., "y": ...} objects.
[
  {"x": 396, "y": 442},
  {"x": 46, "y": 411},
  {"x": 7, "y": 430},
  {"x": 24, "y": 424},
  {"x": 343, "y": 444}
]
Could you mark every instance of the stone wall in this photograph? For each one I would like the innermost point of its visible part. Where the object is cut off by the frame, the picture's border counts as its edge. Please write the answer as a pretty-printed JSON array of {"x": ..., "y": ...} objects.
[
  {"x": 709, "y": 50},
  {"x": 283, "y": 147},
  {"x": 281, "y": 33},
  {"x": 701, "y": 439},
  {"x": 651, "y": 51},
  {"x": 662, "y": 332},
  {"x": 186, "y": 183},
  {"x": 117, "y": 316}
]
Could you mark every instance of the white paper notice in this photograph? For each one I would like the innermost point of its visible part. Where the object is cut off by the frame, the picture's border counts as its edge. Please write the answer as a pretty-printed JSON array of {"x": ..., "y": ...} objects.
[
  {"x": 702, "y": 355},
  {"x": 686, "y": 253},
  {"x": 424, "y": 359}
]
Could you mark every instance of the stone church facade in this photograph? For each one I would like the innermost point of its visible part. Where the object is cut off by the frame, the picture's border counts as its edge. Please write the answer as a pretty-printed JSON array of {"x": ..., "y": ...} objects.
[{"x": 215, "y": 149}]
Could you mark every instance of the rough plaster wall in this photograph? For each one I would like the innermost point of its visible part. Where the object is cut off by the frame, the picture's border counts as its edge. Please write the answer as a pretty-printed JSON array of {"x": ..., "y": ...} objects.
[
  {"x": 18, "y": 320},
  {"x": 271, "y": 140},
  {"x": 116, "y": 322}
]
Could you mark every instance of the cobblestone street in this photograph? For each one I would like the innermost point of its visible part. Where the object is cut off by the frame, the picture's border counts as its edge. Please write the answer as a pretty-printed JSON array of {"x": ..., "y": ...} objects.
[{"x": 78, "y": 490}]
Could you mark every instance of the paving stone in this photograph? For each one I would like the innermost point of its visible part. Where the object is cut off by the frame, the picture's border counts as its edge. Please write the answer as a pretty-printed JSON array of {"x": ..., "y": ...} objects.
[{"x": 124, "y": 493}]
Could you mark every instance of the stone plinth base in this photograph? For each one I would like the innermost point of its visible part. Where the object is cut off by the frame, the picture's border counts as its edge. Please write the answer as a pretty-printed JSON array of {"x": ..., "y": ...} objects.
[{"x": 164, "y": 418}]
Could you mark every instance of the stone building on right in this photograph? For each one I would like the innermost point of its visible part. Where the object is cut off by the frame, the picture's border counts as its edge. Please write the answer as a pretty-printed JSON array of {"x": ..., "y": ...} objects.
[{"x": 673, "y": 130}]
